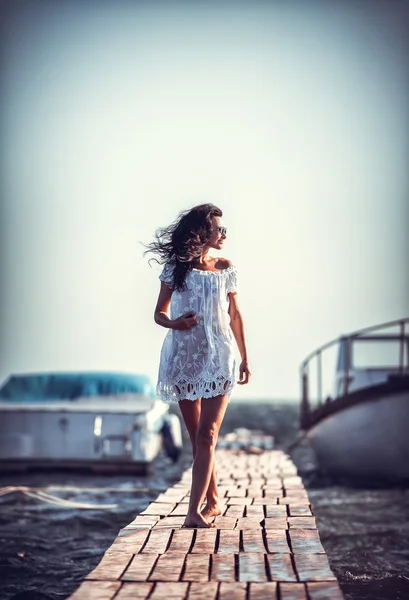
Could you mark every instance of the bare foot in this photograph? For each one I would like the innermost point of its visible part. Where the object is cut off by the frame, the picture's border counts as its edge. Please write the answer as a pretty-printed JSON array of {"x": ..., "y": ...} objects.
[
  {"x": 211, "y": 511},
  {"x": 197, "y": 521}
]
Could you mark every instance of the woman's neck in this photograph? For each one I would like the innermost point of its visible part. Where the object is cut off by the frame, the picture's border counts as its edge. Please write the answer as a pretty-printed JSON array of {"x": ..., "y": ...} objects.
[{"x": 205, "y": 259}]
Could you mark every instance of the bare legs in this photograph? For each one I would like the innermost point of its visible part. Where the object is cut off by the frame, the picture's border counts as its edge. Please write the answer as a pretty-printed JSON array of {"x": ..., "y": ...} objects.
[
  {"x": 190, "y": 410},
  {"x": 203, "y": 420}
]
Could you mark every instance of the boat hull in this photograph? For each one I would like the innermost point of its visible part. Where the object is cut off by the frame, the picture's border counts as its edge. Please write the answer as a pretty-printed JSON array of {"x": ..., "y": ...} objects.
[
  {"x": 369, "y": 440},
  {"x": 103, "y": 435}
]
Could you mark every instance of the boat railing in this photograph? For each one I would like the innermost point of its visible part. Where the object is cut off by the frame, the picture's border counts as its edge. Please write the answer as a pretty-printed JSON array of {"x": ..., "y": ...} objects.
[{"x": 342, "y": 350}]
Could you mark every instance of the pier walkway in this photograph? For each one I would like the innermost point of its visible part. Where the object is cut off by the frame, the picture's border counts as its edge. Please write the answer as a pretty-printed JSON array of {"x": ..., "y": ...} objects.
[{"x": 266, "y": 545}]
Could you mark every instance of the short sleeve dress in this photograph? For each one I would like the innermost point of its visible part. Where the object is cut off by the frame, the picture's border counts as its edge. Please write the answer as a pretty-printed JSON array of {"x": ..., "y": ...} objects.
[{"x": 199, "y": 362}]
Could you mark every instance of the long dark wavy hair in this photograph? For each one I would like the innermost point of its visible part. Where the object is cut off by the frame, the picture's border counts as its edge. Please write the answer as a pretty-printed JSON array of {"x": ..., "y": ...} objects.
[{"x": 182, "y": 242}]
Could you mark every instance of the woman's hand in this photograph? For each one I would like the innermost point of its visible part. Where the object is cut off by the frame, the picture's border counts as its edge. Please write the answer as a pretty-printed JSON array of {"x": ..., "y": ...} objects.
[
  {"x": 185, "y": 321},
  {"x": 245, "y": 372}
]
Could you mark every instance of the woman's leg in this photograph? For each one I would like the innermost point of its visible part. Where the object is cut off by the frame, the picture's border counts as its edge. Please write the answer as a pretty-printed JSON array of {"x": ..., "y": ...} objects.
[
  {"x": 211, "y": 416},
  {"x": 190, "y": 410}
]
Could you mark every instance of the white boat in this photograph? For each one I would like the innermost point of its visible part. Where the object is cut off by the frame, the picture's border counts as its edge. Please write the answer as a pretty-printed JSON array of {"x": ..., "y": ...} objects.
[
  {"x": 107, "y": 422},
  {"x": 361, "y": 429}
]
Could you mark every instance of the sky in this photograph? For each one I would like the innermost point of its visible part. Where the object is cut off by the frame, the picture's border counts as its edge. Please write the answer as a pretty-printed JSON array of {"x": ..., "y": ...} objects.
[{"x": 115, "y": 116}]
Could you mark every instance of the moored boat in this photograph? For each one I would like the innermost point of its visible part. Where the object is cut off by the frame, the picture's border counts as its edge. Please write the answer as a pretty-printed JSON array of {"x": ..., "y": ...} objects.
[
  {"x": 107, "y": 422},
  {"x": 359, "y": 429}
]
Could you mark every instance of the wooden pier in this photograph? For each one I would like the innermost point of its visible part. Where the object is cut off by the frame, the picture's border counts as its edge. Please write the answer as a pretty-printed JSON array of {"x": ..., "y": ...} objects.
[{"x": 266, "y": 545}]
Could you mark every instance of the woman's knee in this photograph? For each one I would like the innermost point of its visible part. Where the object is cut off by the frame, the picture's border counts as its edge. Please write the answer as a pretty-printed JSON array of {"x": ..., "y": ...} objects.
[{"x": 206, "y": 438}]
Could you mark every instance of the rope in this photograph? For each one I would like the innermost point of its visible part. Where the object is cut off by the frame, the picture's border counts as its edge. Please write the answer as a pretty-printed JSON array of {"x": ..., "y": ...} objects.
[
  {"x": 299, "y": 439},
  {"x": 38, "y": 494}
]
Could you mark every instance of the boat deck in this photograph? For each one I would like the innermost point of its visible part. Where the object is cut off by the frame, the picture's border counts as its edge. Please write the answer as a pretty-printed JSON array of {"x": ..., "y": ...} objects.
[{"x": 266, "y": 544}]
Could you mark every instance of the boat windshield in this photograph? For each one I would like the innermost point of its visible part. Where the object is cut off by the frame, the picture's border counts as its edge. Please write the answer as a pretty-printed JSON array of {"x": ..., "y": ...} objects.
[{"x": 40, "y": 387}]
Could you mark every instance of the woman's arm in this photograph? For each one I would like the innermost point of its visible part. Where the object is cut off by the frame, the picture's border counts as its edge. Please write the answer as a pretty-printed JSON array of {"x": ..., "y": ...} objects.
[
  {"x": 237, "y": 327},
  {"x": 161, "y": 314}
]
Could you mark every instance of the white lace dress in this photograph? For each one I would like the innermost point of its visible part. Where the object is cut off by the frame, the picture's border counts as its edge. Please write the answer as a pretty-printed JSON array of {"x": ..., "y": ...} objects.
[{"x": 199, "y": 362}]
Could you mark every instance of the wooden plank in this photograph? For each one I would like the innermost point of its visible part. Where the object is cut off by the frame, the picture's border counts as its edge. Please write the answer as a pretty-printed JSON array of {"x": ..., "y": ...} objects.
[
  {"x": 137, "y": 534},
  {"x": 134, "y": 591},
  {"x": 293, "y": 591},
  {"x": 239, "y": 501},
  {"x": 183, "y": 488},
  {"x": 276, "y": 511},
  {"x": 140, "y": 567},
  {"x": 132, "y": 539},
  {"x": 225, "y": 522},
  {"x": 313, "y": 567},
  {"x": 234, "y": 511},
  {"x": 181, "y": 540},
  {"x": 292, "y": 488},
  {"x": 241, "y": 481},
  {"x": 196, "y": 567},
  {"x": 252, "y": 567},
  {"x": 281, "y": 568},
  {"x": 203, "y": 591},
  {"x": 232, "y": 591},
  {"x": 115, "y": 551},
  {"x": 253, "y": 541},
  {"x": 255, "y": 511},
  {"x": 229, "y": 542},
  {"x": 302, "y": 522},
  {"x": 180, "y": 510},
  {"x": 223, "y": 567},
  {"x": 255, "y": 493},
  {"x": 168, "y": 567},
  {"x": 300, "y": 510},
  {"x": 272, "y": 498},
  {"x": 128, "y": 529},
  {"x": 110, "y": 567},
  {"x": 276, "y": 541},
  {"x": 171, "y": 496},
  {"x": 287, "y": 468},
  {"x": 236, "y": 492},
  {"x": 275, "y": 523},
  {"x": 158, "y": 508},
  {"x": 294, "y": 481},
  {"x": 96, "y": 590},
  {"x": 143, "y": 521},
  {"x": 263, "y": 591},
  {"x": 324, "y": 591},
  {"x": 257, "y": 482},
  {"x": 157, "y": 541},
  {"x": 205, "y": 541},
  {"x": 249, "y": 523},
  {"x": 306, "y": 541},
  {"x": 165, "y": 590},
  {"x": 174, "y": 522},
  {"x": 222, "y": 490},
  {"x": 294, "y": 499}
]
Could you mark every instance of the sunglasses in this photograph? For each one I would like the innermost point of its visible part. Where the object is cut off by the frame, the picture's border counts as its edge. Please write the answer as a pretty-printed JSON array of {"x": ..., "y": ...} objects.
[{"x": 221, "y": 230}]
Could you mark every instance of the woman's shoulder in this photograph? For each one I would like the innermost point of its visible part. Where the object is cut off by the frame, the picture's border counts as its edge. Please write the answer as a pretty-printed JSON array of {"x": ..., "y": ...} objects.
[
  {"x": 223, "y": 264},
  {"x": 219, "y": 266}
]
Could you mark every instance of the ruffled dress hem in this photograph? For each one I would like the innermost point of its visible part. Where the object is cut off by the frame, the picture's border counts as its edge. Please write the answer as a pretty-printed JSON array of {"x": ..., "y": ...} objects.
[{"x": 167, "y": 392}]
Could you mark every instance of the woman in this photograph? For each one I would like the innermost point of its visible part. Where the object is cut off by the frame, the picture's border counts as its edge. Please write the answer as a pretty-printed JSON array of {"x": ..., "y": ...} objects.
[{"x": 198, "y": 304}]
